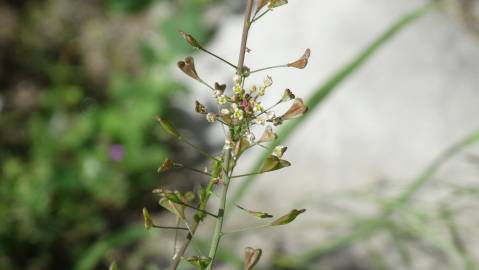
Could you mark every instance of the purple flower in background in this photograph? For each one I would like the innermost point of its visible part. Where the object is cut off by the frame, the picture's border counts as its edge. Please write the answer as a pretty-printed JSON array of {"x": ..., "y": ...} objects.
[{"x": 116, "y": 152}]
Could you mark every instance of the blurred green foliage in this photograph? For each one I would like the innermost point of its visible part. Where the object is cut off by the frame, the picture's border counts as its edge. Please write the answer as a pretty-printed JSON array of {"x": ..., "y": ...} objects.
[{"x": 78, "y": 164}]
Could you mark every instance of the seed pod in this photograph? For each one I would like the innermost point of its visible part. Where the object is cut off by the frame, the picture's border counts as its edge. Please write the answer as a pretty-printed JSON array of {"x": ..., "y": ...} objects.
[
  {"x": 251, "y": 257},
  {"x": 199, "y": 262},
  {"x": 168, "y": 127},
  {"x": 268, "y": 135},
  {"x": 188, "y": 67},
  {"x": 191, "y": 40},
  {"x": 296, "y": 110},
  {"x": 255, "y": 213},
  {"x": 301, "y": 62},
  {"x": 288, "y": 217},
  {"x": 287, "y": 95},
  {"x": 276, "y": 3},
  {"x": 273, "y": 163},
  {"x": 200, "y": 108},
  {"x": 261, "y": 4},
  {"x": 279, "y": 150},
  {"x": 147, "y": 219},
  {"x": 166, "y": 165}
]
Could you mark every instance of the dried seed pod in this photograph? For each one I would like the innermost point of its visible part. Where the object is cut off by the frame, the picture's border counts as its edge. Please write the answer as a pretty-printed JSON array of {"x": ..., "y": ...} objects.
[
  {"x": 251, "y": 257},
  {"x": 200, "y": 108},
  {"x": 287, "y": 95},
  {"x": 261, "y": 4},
  {"x": 167, "y": 165},
  {"x": 276, "y": 3},
  {"x": 268, "y": 135},
  {"x": 301, "y": 62},
  {"x": 188, "y": 67},
  {"x": 296, "y": 110},
  {"x": 191, "y": 40}
]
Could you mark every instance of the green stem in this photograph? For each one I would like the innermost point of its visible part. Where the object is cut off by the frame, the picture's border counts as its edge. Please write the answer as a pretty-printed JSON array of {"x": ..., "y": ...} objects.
[
  {"x": 267, "y": 68},
  {"x": 221, "y": 211},
  {"x": 227, "y": 153}
]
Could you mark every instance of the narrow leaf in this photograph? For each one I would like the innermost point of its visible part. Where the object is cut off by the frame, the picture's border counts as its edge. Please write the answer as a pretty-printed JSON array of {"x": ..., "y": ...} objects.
[{"x": 288, "y": 217}]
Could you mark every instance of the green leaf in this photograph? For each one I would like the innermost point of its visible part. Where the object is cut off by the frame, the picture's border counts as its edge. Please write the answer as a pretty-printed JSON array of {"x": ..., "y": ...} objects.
[
  {"x": 288, "y": 217},
  {"x": 168, "y": 127},
  {"x": 255, "y": 213},
  {"x": 199, "y": 262}
]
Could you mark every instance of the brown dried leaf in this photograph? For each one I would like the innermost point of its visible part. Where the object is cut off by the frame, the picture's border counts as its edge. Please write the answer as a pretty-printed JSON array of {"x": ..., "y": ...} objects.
[
  {"x": 301, "y": 62},
  {"x": 188, "y": 67}
]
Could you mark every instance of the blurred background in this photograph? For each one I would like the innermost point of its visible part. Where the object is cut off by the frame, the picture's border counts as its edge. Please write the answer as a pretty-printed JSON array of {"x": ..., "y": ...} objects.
[{"x": 382, "y": 165}]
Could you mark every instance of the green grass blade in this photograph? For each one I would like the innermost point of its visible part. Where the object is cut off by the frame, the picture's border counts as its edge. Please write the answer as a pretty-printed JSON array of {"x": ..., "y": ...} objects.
[
  {"x": 92, "y": 256},
  {"x": 330, "y": 86}
]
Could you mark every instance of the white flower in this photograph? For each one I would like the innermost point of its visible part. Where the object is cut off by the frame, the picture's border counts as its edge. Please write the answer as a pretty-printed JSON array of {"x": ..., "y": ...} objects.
[
  {"x": 238, "y": 114},
  {"x": 211, "y": 117},
  {"x": 268, "y": 81},
  {"x": 225, "y": 111},
  {"x": 234, "y": 106},
  {"x": 221, "y": 100}
]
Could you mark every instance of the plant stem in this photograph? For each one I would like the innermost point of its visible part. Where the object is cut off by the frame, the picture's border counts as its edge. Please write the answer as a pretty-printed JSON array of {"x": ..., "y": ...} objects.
[
  {"x": 267, "y": 68},
  {"x": 227, "y": 155},
  {"x": 218, "y": 57},
  {"x": 169, "y": 227}
]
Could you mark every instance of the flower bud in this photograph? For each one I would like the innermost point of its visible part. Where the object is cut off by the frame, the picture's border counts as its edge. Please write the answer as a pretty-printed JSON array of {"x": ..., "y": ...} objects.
[{"x": 211, "y": 117}]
